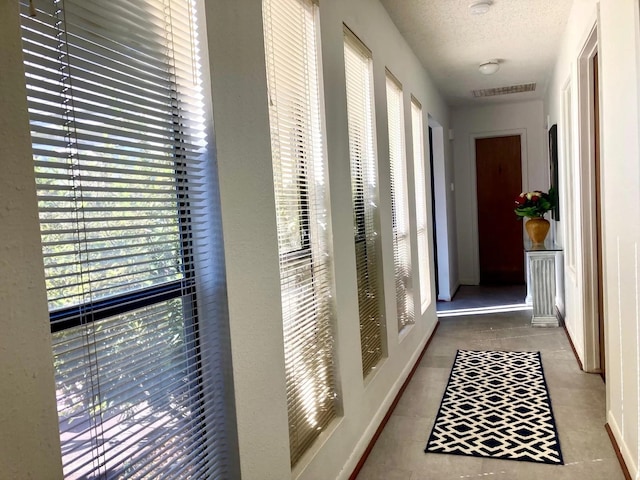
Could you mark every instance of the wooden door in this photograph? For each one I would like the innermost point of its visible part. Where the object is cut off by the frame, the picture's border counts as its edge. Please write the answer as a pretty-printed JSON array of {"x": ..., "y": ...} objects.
[
  {"x": 598, "y": 204},
  {"x": 499, "y": 181}
]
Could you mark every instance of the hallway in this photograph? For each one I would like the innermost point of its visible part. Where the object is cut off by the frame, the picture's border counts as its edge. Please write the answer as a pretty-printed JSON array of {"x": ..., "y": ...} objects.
[
  {"x": 226, "y": 225},
  {"x": 578, "y": 401}
]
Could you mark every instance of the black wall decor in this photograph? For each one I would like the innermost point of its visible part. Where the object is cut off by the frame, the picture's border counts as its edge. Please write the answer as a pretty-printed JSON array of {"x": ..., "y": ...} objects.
[{"x": 553, "y": 165}]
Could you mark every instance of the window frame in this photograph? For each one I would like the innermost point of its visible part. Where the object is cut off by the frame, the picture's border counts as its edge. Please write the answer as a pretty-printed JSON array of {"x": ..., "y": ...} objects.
[
  {"x": 181, "y": 245},
  {"x": 365, "y": 198},
  {"x": 422, "y": 224},
  {"x": 405, "y": 307},
  {"x": 305, "y": 272}
]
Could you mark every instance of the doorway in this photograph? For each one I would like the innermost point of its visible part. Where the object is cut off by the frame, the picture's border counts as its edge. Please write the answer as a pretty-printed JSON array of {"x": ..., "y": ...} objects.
[
  {"x": 433, "y": 209},
  {"x": 590, "y": 287},
  {"x": 589, "y": 195},
  {"x": 498, "y": 181},
  {"x": 441, "y": 205},
  {"x": 598, "y": 212}
]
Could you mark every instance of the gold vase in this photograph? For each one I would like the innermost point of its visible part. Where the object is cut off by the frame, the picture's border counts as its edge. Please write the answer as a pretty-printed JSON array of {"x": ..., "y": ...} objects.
[{"x": 537, "y": 229}]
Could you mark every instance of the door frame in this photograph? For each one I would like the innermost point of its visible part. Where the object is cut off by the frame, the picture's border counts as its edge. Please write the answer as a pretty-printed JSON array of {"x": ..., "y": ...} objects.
[
  {"x": 522, "y": 132},
  {"x": 440, "y": 217},
  {"x": 586, "y": 195},
  {"x": 434, "y": 223}
]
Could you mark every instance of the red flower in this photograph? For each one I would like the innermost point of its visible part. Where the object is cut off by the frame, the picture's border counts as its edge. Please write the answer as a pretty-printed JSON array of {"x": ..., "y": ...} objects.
[
  {"x": 535, "y": 198},
  {"x": 520, "y": 200}
]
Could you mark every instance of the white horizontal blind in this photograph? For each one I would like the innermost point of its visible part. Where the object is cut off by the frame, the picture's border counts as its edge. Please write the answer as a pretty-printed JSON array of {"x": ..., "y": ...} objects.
[
  {"x": 117, "y": 130},
  {"x": 300, "y": 182},
  {"x": 359, "y": 80},
  {"x": 399, "y": 203},
  {"x": 421, "y": 203}
]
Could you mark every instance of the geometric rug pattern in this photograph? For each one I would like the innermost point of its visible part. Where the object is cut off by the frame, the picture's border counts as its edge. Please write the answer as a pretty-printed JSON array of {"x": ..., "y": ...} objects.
[{"x": 497, "y": 405}]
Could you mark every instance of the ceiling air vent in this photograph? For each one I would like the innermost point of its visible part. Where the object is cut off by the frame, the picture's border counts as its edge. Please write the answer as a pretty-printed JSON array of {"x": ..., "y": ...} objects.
[{"x": 491, "y": 92}]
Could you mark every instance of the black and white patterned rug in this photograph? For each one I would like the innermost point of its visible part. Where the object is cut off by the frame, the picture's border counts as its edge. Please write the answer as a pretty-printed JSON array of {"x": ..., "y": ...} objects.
[{"x": 496, "y": 405}]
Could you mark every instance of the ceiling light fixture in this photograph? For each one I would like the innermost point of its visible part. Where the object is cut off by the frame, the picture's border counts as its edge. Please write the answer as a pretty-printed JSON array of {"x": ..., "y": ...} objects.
[
  {"x": 480, "y": 7},
  {"x": 489, "y": 67}
]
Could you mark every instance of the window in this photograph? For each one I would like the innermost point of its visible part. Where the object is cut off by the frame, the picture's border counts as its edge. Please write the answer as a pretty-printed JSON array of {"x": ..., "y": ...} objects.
[
  {"x": 399, "y": 203},
  {"x": 358, "y": 68},
  {"x": 303, "y": 223},
  {"x": 118, "y": 142},
  {"x": 421, "y": 203}
]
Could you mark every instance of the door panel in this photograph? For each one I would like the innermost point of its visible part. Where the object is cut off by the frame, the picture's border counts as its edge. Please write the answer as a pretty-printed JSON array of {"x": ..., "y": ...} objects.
[{"x": 499, "y": 181}]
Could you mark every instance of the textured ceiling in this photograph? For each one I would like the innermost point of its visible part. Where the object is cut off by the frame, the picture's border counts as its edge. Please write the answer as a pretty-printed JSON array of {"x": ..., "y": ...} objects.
[{"x": 522, "y": 34}]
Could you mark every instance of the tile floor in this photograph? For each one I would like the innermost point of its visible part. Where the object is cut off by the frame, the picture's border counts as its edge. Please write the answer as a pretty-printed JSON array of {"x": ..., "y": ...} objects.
[{"x": 578, "y": 401}]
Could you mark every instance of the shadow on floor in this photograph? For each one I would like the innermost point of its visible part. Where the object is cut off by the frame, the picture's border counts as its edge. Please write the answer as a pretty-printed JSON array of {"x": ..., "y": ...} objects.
[{"x": 485, "y": 299}]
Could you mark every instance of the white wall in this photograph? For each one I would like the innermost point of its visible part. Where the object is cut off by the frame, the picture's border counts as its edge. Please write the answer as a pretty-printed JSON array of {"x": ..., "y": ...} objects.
[
  {"x": 620, "y": 83},
  {"x": 619, "y": 54},
  {"x": 366, "y": 403},
  {"x": 240, "y": 103},
  {"x": 29, "y": 443},
  {"x": 238, "y": 87},
  {"x": 565, "y": 75},
  {"x": 444, "y": 213},
  {"x": 29, "y": 446},
  {"x": 522, "y": 118}
]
